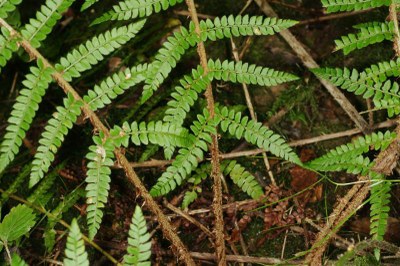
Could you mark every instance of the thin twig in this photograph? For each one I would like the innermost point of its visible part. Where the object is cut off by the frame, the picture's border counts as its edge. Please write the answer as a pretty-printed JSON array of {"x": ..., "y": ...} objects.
[
  {"x": 310, "y": 63},
  {"x": 393, "y": 18},
  {"x": 166, "y": 227},
  {"x": 236, "y": 258},
  {"x": 332, "y": 16},
  {"x": 215, "y": 171}
]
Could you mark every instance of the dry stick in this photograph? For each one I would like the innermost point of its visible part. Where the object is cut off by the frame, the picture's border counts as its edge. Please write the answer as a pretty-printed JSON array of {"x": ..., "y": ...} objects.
[
  {"x": 62, "y": 222},
  {"x": 295, "y": 143},
  {"x": 245, "y": 259},
  {"x": 215, "y": 171},
  {"x": 181, "y": 250},
  {"x": 252, "y": 113},
  {"x": 309, "y": 62}
]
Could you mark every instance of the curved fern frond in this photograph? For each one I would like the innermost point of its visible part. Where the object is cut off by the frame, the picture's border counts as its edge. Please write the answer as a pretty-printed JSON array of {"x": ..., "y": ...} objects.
[
  {"x": 87, "y": 4},
  {"x": 56, "y": 214},
  {"x": 139, "y": 243},
  {"x": 242, "y": 178},
  {"x": 75, "y": 253},
  {"x": 113, "y": 86},
  {"x": 255, "y": 133},
  {"x": 371, "y": 34},
  {"x": 24, "y": 110},
  {"x": 188, "y": 158},
  {"x": 380, "y": 200},
  {"x": 349, "y": 5},
  {"x": 98, "y": 181},
  {"x": 349, "y": 156},
  {"x": 224, "y": 27},
  {"x": 94, "y": 50},
  {"x": 132, "y": 9},
  {"x": 7, "y": 6},
  {"x": 53, "y": 137},
  {"x": 8, "y": 45},
  {"x": 39, "y": 27}
]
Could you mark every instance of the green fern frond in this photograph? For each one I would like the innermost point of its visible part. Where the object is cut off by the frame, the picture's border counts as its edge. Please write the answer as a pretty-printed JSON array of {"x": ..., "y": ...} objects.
[
  {"x": 94, "y": 50},
  {"x": 349, "y": 5},
  {"x": 189, "y": 197},
  {"x": 53, "y": 137},
  {"x": 15, "y": 184},
  {"x": 368, "y": 35},
  {"x": 349, "y": 156},
  {"x": 255, "y": 133},
  {"x": 56, "y": 214},
  {"x": 242, "y": 178},
  {"x": 87, "y": 4},
  {"x": 224, "y": 27},
  {"x": 24, "y": 110},
  {"x": 16, "y": 260},
  {"x": 39, "y": 27},
  {"x": 7, "y": 6},
  {"x": 8, "y": 45},
  {"x": 380, "y": 200},
  {"x": 113, "y": 86},
  {"x": 139, "y": 243},
  {"x": 188, "y": 158},
  {"x": 75, "y": 253},
  {"x": 132, "y": 9},
  {"x": 196, "y": 178},
  {"x": 98, "y": 180}
]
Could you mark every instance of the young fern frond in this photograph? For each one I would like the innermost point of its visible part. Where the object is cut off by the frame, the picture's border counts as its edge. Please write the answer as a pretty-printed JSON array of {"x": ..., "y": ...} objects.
[
  {"x": 53, "y": 137},
  {"x": 8, "y": 6},
  {"x": 219, "y": 28},
  {"x": 242, "y": 178},
  {"x": 187, "y": 159},
  {"x": 94, "y": 50},
  {"x": 255, "y": 133},
  {"x": 139, "y": 242},
  {"x": 380, "y": 200},
  {"x": 39, "y": 27},
  {"x": 186, "y": 94},
  {"x": 24, "y": 110},
  {"x": 349, "y": 156},
  {"x": 98, "y": 180},
  {"x": 113, "y": 86},
  {"x": 371, "y": 34},
  {"x": 56, "y": 214},
  {"x": 75, "y": 253},
  {"x": 132, "y": 9},
  {"x": 349, "y": 5}
]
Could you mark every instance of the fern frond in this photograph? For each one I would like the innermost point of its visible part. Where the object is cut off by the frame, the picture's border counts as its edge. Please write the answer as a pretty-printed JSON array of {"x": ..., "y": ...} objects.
[
  {"x": 132, "y": 9},
  {"x": 94, "y": 50},
  {"x": 75, "y": 253},
  {"x": 56, "y": 214},
  {"x": 53, "y": 137},
  {"x": 8, "y": 45},
  {"x": 380, "y": 200},
  {"x": 242, "y": 178},
  {"x": 98, "y": 181},
  {"x": 255, "y": 133},
  {"x": 87, "y": 4},
  {"x": 349, "y": 156},
  {"x": 187, "y": 159},
  {"x": 15, "y": 184},
  {"x": 7, "y": 6},
  {"x": 189, "y": 197},
  {"x": 200, "y": 174},
  {"x": 224, "y": 27},
  {"x": 368, "y": 35},
  {"x": 113, "y": 86},
  {"x": 139, "y": 243},
  {"x": 24, "y": 110},
  {"x": 349, "y": 5},
  {"x": 16, "y": 260},
  {"x": 38, "y": 28},
  {"x": 16, "y": 223}
]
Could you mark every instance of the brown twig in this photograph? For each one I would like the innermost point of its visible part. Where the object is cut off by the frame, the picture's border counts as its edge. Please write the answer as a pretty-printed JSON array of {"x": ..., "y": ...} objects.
[
  {"x": 245, "y": 259},
  {"x": 166, "y": 227},
  {"x": 393, "y": 18},
  {"x": 215, "y": 171},
  {"x": 310, "y": 63}
]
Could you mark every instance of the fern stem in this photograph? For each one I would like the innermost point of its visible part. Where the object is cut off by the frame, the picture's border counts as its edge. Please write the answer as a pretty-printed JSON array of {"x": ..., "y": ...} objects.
[
  {"x": 393, "y": 18},
  {"x": 216, "y": 171},
  {"x": 166, "y": 226},
  {"x": 62, "y": 222}
]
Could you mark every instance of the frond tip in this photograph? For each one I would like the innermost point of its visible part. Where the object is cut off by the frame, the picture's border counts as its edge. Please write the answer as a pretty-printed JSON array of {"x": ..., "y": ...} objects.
[
  {"x": 139, "y": 243},
  {"x": 75, "y": 253}
]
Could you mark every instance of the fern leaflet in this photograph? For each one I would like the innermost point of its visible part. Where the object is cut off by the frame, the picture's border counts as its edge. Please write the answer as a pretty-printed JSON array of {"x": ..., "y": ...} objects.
[
  {"x": 139, "y": 243},
  {"x": 75, "y": 253},
  {"x": 7, "y": 6},
  {"x": 8, "y": 45},
  {"x": 349, "y": 5},
  {"x": 87, "y": 4},
  {"x": 16, "y": 260}
]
